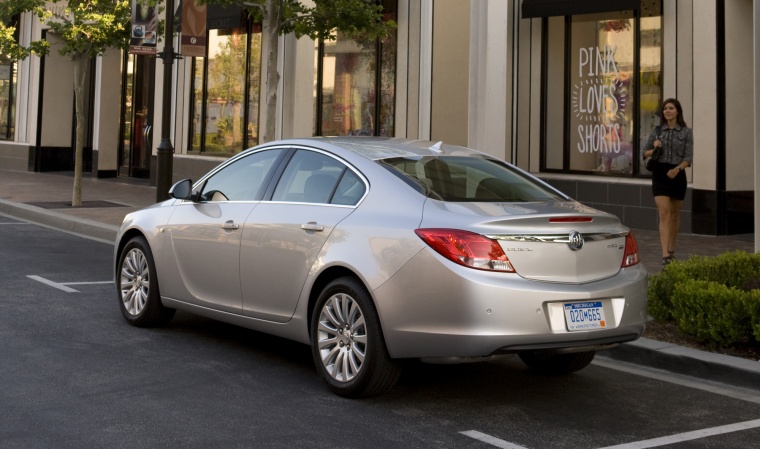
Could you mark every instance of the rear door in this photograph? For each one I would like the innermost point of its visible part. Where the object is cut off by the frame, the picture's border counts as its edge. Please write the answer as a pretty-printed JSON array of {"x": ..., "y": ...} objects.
[{"x": 283, "y": 237}]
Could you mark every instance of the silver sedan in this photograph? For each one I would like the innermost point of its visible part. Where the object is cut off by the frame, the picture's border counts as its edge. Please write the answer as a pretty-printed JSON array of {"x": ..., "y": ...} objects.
[{"x": 375, "y": 250}]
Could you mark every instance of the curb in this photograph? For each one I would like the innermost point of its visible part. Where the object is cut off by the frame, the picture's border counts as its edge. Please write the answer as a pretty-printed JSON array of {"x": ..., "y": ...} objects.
[
  {"x": 690, "y": 362},
  {"x": 68, "y": 223}
]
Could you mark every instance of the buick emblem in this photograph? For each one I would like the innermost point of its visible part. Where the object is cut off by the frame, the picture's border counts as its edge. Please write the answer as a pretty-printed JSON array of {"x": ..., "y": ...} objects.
[{"x": 576, "y": 240}]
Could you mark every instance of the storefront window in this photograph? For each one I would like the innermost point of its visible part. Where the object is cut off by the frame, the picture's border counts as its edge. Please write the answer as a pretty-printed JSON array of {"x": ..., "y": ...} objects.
[
  {"x": 602, "y": 124},
  {"x": 8, "y": 85},
  {"x": 613, "y": 90},
  {"x": 650, "y": 80},
  {"x": 225, "y": 97},
  {"x": 355, "y": 89},
  {"x": 8, "y": 82}
]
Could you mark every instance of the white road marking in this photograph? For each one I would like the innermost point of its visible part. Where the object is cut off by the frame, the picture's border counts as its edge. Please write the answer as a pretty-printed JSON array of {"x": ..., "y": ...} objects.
[
  {"x": 87, "y": 283},
  {"x": 688, "y": 436},
  {"x": 63, "y": 285},
  {"x": 678, "y": 379},
  {"x": 19, "y": 223},
  {"x": 654, "y": 442},
  {"x": 493, "y": 441}
]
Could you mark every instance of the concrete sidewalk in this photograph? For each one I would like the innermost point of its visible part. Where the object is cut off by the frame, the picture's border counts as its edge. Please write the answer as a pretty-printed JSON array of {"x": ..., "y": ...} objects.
[{"x": 45, "y": 198}]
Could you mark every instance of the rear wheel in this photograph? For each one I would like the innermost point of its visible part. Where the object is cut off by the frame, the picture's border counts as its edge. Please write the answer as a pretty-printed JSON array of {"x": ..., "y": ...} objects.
[
  {"x": 137, "y": 286},
  {"x": 347, "y": 342},
  {"x": 557, "y": 363}
]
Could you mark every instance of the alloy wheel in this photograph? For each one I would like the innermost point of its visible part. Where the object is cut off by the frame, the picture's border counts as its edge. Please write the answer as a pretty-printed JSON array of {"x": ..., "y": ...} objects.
[
  {"x": 342, "y": 337},
  {"x": 135, "y": 281}
]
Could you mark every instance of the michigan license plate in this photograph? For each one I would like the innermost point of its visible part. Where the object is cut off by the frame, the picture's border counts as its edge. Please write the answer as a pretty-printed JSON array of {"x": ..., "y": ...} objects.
[{"x": 583, "y": 316}]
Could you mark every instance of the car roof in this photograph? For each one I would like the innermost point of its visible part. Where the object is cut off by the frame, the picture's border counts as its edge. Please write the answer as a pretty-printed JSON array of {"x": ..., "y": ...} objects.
[{"x": 376, "y": 148}]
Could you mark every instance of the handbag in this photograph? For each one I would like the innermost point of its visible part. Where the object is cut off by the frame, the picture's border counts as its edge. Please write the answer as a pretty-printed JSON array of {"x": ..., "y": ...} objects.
[
  {"x": 649, "y": 162},
  {"x": 655, "y": 156}
]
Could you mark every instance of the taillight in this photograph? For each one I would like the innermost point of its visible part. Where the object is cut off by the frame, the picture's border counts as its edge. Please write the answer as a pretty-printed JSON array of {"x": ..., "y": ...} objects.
[
  {"x": 631, "y": 256},
  {"x": 467, "y": 248}
]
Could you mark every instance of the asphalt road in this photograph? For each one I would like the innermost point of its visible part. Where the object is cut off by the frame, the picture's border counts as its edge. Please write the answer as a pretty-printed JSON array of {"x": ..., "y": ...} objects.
[{"x": 73, "y": 374}]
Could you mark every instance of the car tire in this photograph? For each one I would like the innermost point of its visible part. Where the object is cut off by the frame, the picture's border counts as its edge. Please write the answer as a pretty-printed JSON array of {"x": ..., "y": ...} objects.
[
  {"x": 137, "y": 286},
  {"x": 347, "y": 342},
  {"x": 557, "y": 363}
]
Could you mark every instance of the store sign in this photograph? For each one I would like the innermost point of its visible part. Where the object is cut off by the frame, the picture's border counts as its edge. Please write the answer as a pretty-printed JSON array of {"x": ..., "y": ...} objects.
[
  {"x": 144, "y": 29},
  {"x": 596, "y": 101},
  {"x": 193, "y": 41}
]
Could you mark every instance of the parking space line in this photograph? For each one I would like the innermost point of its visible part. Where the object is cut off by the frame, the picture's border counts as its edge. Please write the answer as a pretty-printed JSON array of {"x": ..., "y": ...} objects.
[
  {"x": 644, "y": 444},
  {"x": 63, "y": 285},
  {"x": 688, "y": 436},
  {"x": 493, "y": 441},
  {"x": 678, "y": 379},
  {"x": 87, "y": 283}
]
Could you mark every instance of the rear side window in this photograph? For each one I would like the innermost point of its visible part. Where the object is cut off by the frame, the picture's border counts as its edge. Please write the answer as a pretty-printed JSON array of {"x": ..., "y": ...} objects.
[
  {"x": 313, "y": 177},
  {"x": 458, "y": 178}
]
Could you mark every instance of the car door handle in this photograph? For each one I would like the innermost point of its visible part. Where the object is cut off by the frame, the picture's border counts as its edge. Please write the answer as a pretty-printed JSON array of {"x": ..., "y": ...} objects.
[
  {"x": 312, "y": 226},
  {"x": 229, "y": 224}
]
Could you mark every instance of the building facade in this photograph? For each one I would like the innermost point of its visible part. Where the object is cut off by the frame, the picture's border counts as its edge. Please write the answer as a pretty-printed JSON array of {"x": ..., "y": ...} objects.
[{"x": 564, "y": 89}]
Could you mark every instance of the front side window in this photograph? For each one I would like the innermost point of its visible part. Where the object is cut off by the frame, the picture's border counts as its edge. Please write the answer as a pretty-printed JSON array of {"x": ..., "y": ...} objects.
[
  {"x": 225, "y": 95},
  {"x": 355, "y": 85},
  {"x": 242, "y": 179}
]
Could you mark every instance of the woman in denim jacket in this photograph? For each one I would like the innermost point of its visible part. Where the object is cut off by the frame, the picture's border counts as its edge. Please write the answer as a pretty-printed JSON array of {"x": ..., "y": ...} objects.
[{"x": 668, "y": 178}]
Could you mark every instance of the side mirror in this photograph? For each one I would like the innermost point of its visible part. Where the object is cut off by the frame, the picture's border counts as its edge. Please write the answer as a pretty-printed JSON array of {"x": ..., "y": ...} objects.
[{"x": 182, "y": 190}]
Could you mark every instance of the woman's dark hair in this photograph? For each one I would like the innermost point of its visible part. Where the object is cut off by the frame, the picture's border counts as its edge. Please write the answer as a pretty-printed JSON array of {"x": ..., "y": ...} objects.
[{"x": 679, "y": 118}]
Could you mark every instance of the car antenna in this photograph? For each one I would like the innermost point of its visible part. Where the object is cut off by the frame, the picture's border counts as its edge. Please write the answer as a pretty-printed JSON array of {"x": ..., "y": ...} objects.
[{"x": 437, "y": 147}]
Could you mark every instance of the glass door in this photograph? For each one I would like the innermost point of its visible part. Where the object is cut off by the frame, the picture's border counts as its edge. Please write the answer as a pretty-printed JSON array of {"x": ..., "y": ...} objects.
[{"x": 137, "y": 116}]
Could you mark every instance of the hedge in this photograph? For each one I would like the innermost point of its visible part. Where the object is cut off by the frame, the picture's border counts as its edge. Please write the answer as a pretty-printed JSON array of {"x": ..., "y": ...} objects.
[{"x": 715, "y": 299}]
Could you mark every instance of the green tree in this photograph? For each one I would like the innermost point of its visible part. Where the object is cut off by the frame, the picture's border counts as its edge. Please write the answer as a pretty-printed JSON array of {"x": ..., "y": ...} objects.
[
  {"x": 319, "y": 19},
  {"x": 86, "y": 29}
]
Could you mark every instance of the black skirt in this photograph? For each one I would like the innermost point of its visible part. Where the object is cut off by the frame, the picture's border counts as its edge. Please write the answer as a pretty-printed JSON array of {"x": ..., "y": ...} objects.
[{"x": 662, "y": 185}]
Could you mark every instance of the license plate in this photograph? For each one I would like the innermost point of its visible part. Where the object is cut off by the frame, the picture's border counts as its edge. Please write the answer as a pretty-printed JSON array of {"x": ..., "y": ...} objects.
[{"x": 583, "y": 316}]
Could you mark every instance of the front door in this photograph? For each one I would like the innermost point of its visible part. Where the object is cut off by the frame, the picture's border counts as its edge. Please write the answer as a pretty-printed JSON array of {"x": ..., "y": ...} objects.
[{"x": 137, "y": 116}]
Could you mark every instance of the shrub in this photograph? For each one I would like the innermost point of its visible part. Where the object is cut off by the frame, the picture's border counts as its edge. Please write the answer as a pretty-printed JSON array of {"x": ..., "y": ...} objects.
[
  {"x": 753, "y": 305},
  {"x": 712, "y": 312},
  {"x": 712, "y": 298}
]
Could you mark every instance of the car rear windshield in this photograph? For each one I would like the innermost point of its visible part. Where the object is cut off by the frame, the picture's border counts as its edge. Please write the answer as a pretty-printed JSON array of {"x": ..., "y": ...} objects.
[{"x": 460, "y": 179}]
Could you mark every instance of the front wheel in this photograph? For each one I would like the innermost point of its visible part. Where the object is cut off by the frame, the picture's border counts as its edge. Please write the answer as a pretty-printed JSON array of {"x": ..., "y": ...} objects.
[
  {"x": 347, "y": 342},
  {"x": 557, "y": 363},
  {"x": 137, "y": 286}
]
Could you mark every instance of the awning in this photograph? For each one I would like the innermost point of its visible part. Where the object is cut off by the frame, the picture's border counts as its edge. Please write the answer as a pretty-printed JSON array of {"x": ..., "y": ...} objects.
[
  {"x": 217, "y": 17},
  {"x": 548, "y": 8}
]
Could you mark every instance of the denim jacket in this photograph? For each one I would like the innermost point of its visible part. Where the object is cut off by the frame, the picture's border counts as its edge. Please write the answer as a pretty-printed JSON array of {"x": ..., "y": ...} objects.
[{"x": 677, "y": 145}]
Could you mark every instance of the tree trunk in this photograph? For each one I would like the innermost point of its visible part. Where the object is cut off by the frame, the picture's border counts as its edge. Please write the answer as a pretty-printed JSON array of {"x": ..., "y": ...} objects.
[
  {"x": 80, "y": 71},
  {"x": 272, "y": 27}
]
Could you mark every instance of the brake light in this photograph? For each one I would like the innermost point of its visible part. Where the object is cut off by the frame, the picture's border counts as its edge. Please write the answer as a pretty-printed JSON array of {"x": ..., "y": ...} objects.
[
  {"x": 467, "y": 248},
  {"x": 571, "y": 220},
  {"x": 631, "y": 256}
]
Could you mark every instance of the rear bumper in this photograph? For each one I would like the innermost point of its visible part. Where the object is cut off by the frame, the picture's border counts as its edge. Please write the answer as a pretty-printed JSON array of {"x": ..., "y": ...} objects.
[{"x": 435, "y": 308}]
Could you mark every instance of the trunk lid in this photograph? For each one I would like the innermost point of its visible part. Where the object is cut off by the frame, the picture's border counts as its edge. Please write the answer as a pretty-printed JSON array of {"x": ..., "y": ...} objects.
[{"x": 555, "y": 241}]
